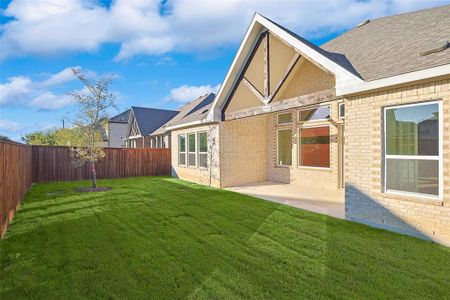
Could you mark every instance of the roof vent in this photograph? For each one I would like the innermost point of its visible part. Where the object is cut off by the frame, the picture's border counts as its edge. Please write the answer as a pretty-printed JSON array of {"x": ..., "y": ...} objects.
[
  {"x": 363, "y": 23},
  {"x": 436, "y": 47},
  {"x": 205, "y": 111}
]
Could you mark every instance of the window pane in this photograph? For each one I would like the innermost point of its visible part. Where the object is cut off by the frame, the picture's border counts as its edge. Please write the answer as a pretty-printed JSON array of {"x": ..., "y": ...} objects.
[
  {"x": 181, "y": 143},
  {"x": 285, "y": 147},
  {"x": 191, "y": 142},
  {"x": 191, "y": 159},
  {"x": 318, "y": 113},
  {"x": 285, "y": 118},
  {"x": 203, "y": 142},
  {"x": 341, "y": 110},
  {"x": 413, "y": 175},
  {"x": 203, "y": 160},
  {"x": 413, "y": 130},
  {"x": 315, "y": 147},
  {"x": 182, "y": 159}
]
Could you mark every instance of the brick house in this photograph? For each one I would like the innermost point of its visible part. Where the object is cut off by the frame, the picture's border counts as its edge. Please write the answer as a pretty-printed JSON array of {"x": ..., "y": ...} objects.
[
  {"x": 143, "y": 121},
  {"x": 367, "y": 113}
]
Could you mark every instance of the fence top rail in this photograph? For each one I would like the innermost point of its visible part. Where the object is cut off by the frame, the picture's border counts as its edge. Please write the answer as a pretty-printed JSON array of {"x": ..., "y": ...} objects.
[{"x": 7, "y": 141}]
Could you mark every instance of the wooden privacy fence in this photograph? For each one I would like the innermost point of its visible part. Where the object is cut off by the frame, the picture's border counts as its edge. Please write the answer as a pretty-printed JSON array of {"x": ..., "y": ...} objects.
[
  {"x": 15, "y": 179},
  {"x": 53, "y": 163},
  {"x": 20, "y": 165}
]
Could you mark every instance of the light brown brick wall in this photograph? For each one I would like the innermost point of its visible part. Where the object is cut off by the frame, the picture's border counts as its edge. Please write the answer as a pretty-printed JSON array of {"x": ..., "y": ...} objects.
[
  {"x": 365, "y": 200},
  {"x": 305, "y": 78},
  {"x": 210, "y": 175},
  {"x": 304, "y": 176},
  {"x": 243, "y": 148}
]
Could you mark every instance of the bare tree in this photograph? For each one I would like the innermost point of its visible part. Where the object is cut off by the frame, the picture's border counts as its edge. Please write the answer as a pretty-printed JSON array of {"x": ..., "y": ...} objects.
[{"x": 91, "y": 117}]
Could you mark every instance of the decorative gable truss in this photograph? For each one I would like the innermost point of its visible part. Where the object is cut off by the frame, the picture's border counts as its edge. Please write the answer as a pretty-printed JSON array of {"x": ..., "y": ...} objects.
[
  {"x": 268, "y": 67},
  {"x": 275, "y": 71},
  {"x": 133, "y": 128}
]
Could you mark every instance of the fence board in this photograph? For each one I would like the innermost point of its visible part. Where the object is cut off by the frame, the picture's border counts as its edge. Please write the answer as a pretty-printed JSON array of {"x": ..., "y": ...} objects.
[
  {"x": 15, "y": 179},
  {"x": 53, "y": 163}
]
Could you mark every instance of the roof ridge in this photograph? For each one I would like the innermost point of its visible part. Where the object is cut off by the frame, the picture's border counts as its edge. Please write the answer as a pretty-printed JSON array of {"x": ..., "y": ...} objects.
[{"x": 153, "y": 108}]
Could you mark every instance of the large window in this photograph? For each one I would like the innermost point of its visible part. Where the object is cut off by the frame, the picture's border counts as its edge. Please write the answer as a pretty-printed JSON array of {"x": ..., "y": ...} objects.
[
  {"x": 314, "y": 149},
  {"x": 202, "y": 149},
  {"x": 182, "y": 149},
  {"x": 413, "y": 148},
  {"x": 284, "y": 141},
  {"x": 314, "y": 114},
  {"x": 191, "y": 149}
]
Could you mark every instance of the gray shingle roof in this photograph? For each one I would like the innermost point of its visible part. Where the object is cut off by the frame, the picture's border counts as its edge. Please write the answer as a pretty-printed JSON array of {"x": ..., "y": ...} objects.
[
  {"x": 150, "y": 119},
  {"x": 199, "y": 111},
  {"x": 185, "y": 110},
  {"x": 120, "y": 118},
  {"x": 392, "y": 45}
]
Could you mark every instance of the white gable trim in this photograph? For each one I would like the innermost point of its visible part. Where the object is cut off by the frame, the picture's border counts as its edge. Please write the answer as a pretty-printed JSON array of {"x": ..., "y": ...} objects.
[{"x": 259, "y": 24}]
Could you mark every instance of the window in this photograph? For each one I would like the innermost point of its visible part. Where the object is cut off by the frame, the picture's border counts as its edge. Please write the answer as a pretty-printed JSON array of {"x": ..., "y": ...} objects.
[
  {"x": 182, "y": 149},
  {"x": 284, "y": 142},
  {"x": 413, "y": 149},
  {"x": 202, "y": 149},
  {"x": 285, "y": 118},
  {"x": 314, "y": 114},
  {"x": 314, "y": 147},
  {"x": 341, "y": 110},
  {"x": 191, "y": 149}
]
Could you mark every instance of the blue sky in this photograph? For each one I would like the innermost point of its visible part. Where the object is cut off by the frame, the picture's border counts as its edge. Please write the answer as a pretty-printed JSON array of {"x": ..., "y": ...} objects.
[{"x": 162, "y": 53}]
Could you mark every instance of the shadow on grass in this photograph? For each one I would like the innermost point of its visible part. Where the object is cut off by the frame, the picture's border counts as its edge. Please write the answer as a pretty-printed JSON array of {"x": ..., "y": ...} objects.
[{"x": 161, "y": 237}]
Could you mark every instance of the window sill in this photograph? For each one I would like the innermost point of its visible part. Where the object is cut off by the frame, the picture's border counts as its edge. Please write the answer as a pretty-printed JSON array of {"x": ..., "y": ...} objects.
[
  {"x": 413, "y": 198},
  {"x": 314, "y": 168},
  {"x": 283, "y": 166}
]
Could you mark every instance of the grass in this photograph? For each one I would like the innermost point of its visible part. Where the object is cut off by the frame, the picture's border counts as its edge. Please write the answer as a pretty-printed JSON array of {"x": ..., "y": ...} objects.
[{"x": 157, "y": 237}]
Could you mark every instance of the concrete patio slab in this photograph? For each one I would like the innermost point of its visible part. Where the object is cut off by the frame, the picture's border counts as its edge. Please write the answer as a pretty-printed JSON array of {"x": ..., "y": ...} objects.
[{"x": 328, "y": 202}]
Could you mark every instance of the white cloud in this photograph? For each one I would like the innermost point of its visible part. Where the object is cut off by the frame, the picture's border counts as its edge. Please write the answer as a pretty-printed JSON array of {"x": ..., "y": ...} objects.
[
  {"x": 57, "y": 26},
  {"x": 50, "y": 101},
  {"x": 11, "y": 126},
  {"x": 15, "y": 90},
  {"x": 22, "y": 90},
  {"x": 187, "y": 93}
]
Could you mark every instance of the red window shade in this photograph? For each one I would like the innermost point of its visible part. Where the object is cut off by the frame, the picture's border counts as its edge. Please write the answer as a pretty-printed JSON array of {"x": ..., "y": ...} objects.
[{"x": 315, "y": 147}]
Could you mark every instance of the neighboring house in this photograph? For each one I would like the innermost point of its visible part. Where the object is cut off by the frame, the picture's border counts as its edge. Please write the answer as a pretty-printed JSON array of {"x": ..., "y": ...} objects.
[
  {"x": 292, "y": 112},
  {"x": 160, "y": 138},
  {"x": 117, "y": 129},
  {"x": 142, "y": 121}
]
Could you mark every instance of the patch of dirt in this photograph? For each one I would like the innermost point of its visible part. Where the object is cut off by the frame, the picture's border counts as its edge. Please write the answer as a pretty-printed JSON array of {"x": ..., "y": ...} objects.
[{"x": 89, "y": 189}]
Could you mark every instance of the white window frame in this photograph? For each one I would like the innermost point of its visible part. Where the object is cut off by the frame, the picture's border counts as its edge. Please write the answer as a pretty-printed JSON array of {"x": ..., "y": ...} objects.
[
  {"x": 299, "y": 146},
  {"x": 198, "y": 149},
  {"x": 285, "y": 113},
  {"x": 339, "y": 110},
  {"x": 180, "y": 152},
  {"x": 313, "y": 107},
  {"x": 278, "y": 158},
  {"x": 439, "y": 157},
  {"x": 188, "y": 152}
]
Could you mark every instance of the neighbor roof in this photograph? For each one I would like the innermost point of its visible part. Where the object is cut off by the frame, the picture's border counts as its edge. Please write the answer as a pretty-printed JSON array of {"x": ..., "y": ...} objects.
[
  {"x": 120, "y": 118},
  {"x": 150, "y": 119},
  {"x": 393, "y": 45},
  {"x": 190, "y": 108}
]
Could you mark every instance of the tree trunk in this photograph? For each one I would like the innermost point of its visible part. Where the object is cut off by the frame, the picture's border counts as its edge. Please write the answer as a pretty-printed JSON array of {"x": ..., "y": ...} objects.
[{"x": 94, "y": 175}]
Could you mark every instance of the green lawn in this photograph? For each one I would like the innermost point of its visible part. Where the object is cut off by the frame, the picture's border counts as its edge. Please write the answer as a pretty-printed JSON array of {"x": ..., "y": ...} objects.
[{"x": 158, "y": 237}]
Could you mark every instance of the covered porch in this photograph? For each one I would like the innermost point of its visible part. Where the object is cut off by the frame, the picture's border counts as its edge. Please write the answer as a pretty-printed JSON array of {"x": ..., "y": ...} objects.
[{"x": 329, "y": 202}]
